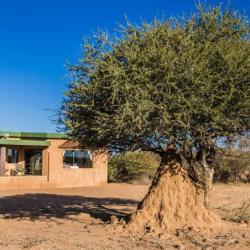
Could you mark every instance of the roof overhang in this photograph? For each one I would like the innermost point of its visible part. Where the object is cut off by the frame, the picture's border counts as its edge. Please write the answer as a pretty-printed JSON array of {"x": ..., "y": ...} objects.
[
  {"x": 35, "y": 143},
  {"x": 24, "y": 135},
  {"x": 70, "y": 144}
]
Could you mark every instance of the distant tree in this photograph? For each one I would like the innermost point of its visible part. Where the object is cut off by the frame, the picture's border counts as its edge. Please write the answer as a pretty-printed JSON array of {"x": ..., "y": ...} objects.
[{"x": 173, "y": 87}]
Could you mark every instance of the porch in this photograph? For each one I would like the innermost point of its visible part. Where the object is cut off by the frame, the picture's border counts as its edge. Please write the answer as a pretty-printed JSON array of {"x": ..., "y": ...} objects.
[
  {"x": 23, "y": 158},
  {"x": 45, "y": 160}
]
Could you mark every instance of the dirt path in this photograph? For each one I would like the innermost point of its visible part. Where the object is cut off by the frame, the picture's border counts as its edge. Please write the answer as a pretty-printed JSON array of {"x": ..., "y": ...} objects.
[{"x": 78, "y": 219}]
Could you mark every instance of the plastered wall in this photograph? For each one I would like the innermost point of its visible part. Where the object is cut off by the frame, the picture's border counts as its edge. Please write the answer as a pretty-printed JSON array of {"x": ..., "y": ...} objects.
[{"x": 54, "y": 175}]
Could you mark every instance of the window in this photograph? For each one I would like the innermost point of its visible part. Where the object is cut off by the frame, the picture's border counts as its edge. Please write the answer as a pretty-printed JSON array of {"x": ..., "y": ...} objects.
[
  {"x": 12, "y": 155},
  {"x": 77, "y": 159}
]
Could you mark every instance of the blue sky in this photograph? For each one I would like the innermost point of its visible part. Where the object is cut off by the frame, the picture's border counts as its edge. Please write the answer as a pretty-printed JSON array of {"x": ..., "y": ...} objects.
[{"x": 38, "y": 37}]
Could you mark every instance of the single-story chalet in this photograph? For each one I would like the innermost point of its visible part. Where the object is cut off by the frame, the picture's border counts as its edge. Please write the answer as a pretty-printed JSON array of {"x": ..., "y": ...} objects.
[{"x": 48, "y": 160}]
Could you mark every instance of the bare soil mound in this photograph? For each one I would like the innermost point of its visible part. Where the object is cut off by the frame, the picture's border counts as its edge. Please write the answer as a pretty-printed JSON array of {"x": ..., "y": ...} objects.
[{"x": 172, "y": 202}]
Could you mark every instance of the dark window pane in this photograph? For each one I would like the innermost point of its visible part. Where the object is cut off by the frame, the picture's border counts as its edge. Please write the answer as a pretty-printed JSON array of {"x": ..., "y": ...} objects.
[
  {"x": 83, "y": 159},
  {"x": 68, "y": 159},
  {"x": 12, "y": 155}
]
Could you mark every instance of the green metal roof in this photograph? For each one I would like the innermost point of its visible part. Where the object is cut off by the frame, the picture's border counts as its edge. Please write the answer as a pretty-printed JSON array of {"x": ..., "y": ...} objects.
[
  {"x": 25, "y": 143},
  {"x": 7, "y": 134}
]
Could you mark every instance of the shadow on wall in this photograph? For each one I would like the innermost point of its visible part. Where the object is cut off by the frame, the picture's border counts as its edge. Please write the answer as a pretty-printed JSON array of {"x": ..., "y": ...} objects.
[{"x": 48, "y": 206}]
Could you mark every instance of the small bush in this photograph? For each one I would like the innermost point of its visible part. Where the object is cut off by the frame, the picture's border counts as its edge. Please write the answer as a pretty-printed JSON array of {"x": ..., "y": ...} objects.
[
  {"x": 232, "y": 166},
  {"x": 238, "y": 214},
  {"x": 133, "y": 167}
]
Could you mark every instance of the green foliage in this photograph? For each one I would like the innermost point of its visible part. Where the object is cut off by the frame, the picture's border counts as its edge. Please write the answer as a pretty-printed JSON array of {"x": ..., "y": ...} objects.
[
  {"x": 132, "y": 166},
  {"x": 182, "y": 82}
]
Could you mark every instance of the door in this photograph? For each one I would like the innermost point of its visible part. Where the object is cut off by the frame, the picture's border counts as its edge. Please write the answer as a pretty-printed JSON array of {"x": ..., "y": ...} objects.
[{"x": 33, "y": 161}]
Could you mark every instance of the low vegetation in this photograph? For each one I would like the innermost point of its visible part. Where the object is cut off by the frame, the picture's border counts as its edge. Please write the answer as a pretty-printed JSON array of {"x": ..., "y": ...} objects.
[
  {"x": 140, "y": 167},
  {"x": 232, "y": 166},
  {"x": 239, "y": 214},
  {"x": 133, "y": 167}
]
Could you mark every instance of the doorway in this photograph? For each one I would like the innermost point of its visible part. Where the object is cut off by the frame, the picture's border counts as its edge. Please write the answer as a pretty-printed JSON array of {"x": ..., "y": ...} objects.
[{"x": 33, "y": 161}]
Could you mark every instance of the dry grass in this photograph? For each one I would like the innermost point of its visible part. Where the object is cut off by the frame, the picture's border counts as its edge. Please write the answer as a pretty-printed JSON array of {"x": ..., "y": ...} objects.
[{"x": 239, "y": 214}]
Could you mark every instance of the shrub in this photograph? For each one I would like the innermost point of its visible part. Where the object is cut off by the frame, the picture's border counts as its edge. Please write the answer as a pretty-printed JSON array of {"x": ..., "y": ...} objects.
[
  {"x": 238, "y": 214},
  {"x": 132, "y": 166},
  {"x": 232, "y": 166}
]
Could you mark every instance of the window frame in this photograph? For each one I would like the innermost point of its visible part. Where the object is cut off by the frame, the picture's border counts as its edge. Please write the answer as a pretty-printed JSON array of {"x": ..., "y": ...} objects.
[
  {"x": 11, "y": 156},
  {"x": 74, "y": 165}
]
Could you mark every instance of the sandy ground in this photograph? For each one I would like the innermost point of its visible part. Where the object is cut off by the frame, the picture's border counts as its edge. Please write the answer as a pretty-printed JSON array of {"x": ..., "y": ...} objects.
[{"x": 79, "y": 219}]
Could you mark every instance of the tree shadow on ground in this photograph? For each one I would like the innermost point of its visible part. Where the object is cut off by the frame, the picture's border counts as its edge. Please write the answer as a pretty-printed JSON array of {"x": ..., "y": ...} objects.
[{"x": 49, "y": 206}]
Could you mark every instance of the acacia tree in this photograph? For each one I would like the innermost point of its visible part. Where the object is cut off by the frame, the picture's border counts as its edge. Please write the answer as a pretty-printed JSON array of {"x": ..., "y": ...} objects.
[{"x": 173, "y": 87}]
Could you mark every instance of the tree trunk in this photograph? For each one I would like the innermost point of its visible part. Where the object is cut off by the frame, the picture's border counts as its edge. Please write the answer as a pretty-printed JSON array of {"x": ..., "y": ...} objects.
[
  {"x": 202, "y": 175},
  {"x": 174, "y": 200}
]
